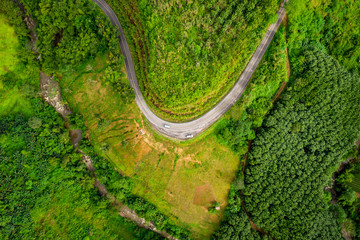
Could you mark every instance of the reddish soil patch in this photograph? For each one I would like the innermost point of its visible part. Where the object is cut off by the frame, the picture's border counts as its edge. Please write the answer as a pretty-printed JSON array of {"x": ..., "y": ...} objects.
[
  {"x": 142, "y": 150},
  {"x": 6, "y": 69},
  {"x": 204, "y": 195},
  {"x": 214, "y": 218}
]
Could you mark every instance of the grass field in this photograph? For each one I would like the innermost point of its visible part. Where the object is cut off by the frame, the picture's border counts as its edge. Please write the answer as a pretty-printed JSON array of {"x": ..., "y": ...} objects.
[
  {"x": 12, "y": 99},
  {"x": 188, "y": 54},
  {"x": 181, "y": 179},
  {"x": 8, "y": 47}
]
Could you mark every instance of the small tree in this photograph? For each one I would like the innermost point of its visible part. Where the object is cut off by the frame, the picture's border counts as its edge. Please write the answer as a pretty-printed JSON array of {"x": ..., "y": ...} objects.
[
  {"x": 214, "y": 207},
  {"x": 35, "y": 122}
]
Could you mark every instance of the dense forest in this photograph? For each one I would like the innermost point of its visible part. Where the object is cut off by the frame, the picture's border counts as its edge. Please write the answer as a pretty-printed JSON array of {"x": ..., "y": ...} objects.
[
  {"x": 189, "y": 54},
  {"x": 301, "y": 143},
  {"x": 329, "y": 26},
  {"x": 68, "y": 33}
]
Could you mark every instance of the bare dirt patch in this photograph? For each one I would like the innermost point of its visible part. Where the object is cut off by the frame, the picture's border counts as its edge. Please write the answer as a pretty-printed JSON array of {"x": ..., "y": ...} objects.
[
  {"x": 204, "y": 195},
  {"x": 79, "y": 97},
  {"x": 75, "y": 136},
  {"x": 187, "y": 161},
  {"x": 142, "y": 149},
  {"x": 156, "y": 145}
]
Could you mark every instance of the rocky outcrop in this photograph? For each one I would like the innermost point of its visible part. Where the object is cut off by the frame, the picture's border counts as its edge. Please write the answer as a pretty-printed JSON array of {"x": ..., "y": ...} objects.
[{"x": 50, "y": 92}]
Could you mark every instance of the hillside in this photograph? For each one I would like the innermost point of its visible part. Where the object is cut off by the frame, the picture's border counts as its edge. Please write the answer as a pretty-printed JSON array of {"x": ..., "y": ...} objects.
[
  {"x": 188, "y": 55},
  {"x": 80, "y": 158}
]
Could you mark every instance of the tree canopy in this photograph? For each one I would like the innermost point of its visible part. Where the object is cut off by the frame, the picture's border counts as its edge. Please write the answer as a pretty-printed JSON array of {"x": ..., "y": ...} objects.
[{"x": 301, "y": 142}]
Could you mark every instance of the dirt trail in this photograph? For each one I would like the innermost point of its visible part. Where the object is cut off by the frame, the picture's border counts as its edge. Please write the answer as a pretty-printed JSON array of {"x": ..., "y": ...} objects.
[{"x": 51, "y": 93}]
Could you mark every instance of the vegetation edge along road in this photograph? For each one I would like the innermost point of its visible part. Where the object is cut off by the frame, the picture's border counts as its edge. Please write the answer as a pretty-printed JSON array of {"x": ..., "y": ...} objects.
[{"x": 192, "y": 128}]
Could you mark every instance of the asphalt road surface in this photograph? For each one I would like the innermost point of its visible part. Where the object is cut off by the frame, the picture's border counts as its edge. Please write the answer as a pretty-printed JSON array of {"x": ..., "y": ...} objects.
[{"x": 190, "y": 129}]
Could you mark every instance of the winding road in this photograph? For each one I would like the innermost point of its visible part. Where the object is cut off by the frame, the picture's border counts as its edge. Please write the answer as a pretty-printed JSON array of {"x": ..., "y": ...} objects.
[{"x": 192, "y": 128}]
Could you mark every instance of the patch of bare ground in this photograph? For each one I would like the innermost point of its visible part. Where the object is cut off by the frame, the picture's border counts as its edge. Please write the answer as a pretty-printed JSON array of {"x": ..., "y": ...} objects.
[
  {"x": 51, "y": 94},
  {"x": 75, "y": 136},
  {"x": 204, "y": 196},
  {"x": 155, "y": 145},
  {"x": 142, "y": 149},
  {"x": 187, "y": 161}
]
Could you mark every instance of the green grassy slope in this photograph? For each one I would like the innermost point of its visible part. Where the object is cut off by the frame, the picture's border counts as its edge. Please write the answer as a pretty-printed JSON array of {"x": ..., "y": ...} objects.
[
  {"x": 8, "y": 46},
  {"x": 189, "y": 54}
]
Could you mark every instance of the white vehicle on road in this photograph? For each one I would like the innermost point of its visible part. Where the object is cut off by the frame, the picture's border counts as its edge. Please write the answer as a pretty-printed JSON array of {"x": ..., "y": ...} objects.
[
  {"x": 166, "y": 126},
  {"x": 189, "y": 136}
]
